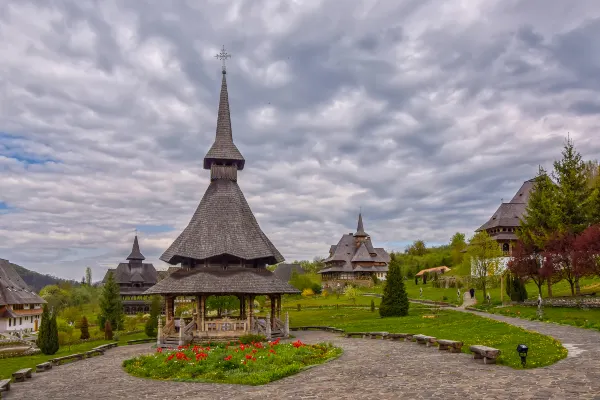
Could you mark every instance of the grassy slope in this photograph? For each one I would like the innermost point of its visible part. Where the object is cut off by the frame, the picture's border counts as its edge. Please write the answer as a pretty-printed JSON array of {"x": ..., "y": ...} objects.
[
  {"x": 452, "y": 325},
  {"x": 569, "y": 316},
  {"x": 10, "y": 365}
]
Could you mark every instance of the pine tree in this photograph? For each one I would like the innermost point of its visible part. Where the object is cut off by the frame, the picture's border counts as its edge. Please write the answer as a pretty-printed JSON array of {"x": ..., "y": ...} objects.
[
  {"x": 541, "y": 217},
  {"x": 85, "y": 334},
  {"x": 108, "y": 333},
  {"x": 42, "y": 340},
  {"x": 573, "y": 192},
  {"x": 111, "y": 307},
  {"x": 395, "y": 300},
  {"x": 52, "y": 346}
]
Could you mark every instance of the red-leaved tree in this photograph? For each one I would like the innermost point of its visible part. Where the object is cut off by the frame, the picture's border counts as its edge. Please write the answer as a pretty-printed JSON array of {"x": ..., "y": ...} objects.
[
  {"x": 587, "y": 251},
  {"x": 559, "y": 260},
  {"x": 527, "y": 263}
]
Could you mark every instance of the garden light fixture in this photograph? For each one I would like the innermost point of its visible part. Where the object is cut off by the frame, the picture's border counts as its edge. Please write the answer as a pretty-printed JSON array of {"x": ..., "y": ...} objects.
[{"x": 522, "y": 350}]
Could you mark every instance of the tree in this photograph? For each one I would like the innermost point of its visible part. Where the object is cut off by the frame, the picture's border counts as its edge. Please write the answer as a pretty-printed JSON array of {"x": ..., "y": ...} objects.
[
  {"x": 52, "y": 343},
  {"x": 458, "y": 245},
  {"x": 152, "y": 322},
  {"x": 418, "y": 248},
  {"x": 541, "y": 214},
  {"x": 108, "y": 333},
  {"x": 485, "y": 254},
  {"x": 527, "y": 263},
  {"x": 88, "y": 276},
  {"x": 43, "y": 330},
  {"x": 351, "y": 293},
  {"x": 85, "y": 333},
  {"x": 587, "y": 251},
  {"x": 559, "y": 257},
  {"x": 395, "y": 300},
  {"x": 111, "y": 307}
]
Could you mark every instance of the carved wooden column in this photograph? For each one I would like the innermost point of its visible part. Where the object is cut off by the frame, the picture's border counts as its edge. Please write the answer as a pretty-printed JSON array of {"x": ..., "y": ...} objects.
[
  {"x": 198, "y": 313},
  {"x": 170, "y": 307},
  {"x": 273, "y": 299},
  {"x": 279, "y": 306},
  {"x": 202, "y": 312},
  {"x": 250, "y": 311}
]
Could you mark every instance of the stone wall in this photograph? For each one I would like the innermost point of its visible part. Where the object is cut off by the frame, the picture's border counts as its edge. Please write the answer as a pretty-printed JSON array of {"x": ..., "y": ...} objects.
[{"x": 576, "y": 302}]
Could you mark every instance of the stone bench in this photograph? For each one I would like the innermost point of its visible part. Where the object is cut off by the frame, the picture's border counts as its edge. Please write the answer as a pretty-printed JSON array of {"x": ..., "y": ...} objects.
[
  {"x": 489, "y": 354},
  {"x": 58, "y": 360},
  {"x": 43, "y": 366},
  {"x": 108, "y": 345},
  {"x": 4, "y": 385},
  {"x": 426, "y": 340},
  {"x": 399, "y": 336},
  {"x": 139, "y": 341},
  {"x": 451, "y": 345},
  {"x": 22, "y": 374}
]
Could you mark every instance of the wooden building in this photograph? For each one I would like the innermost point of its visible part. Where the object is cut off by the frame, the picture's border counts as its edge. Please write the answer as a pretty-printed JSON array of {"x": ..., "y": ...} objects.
[
  {"x": 222, "y": 251},
  {"x": 134, "y": 278},
  {"x": 504, "y": 223},
  {"x": 20, "y": 307},
  {"x": 355, "y": 258}
]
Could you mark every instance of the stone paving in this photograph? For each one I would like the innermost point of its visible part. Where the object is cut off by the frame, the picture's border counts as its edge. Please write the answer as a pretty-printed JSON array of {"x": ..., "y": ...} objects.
[{"x": 368, "y": 369}]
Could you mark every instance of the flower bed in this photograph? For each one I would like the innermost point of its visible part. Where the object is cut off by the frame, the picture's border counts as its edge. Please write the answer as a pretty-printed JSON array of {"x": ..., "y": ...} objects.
[{"x": 249, "y": 364}]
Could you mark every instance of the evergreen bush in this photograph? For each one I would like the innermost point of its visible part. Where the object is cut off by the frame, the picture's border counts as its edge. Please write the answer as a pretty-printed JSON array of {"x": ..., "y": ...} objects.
[
  {"x": 395, "y": 300},
  {"x": 111, "y": 307},
  {"x": 85, "y": 333},
  {"x": 52, "y": 344},
  {"x": 43, "y": 332}
]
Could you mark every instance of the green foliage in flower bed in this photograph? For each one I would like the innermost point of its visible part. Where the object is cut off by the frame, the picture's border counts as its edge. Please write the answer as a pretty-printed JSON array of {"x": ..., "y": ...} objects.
[
  {"x": 248, "y": 364},
  {"x": 445, "y": 324}
]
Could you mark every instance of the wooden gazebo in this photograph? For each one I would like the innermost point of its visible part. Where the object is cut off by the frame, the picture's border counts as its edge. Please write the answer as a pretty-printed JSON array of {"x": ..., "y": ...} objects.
[{"x": 223, "y": 251}]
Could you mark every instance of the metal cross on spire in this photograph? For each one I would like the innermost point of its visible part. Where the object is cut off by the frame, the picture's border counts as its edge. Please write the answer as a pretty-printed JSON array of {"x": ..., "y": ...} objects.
[{"x": 223, "y": 55}]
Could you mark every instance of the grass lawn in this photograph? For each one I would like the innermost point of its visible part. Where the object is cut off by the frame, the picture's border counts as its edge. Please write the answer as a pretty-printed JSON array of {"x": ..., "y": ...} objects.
[
  {"x": 569, "y": 316},
  {"x": 453, "y": 325},
  {"x": 10, "y": 365}
]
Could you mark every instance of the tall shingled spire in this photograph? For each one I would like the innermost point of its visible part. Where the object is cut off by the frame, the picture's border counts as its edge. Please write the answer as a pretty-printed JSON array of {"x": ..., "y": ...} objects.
[
  {"x": 136, "y": 255},
  {"x": 223, "y": 151},
  {"x": 360, "y": 230}
]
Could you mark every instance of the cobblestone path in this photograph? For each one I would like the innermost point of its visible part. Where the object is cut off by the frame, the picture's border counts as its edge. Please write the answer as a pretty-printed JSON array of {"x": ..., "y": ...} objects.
[{"x": 368, "y": 369}]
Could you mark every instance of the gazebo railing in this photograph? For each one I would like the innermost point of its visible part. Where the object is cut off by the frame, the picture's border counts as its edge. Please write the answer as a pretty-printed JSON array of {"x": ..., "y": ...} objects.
[{"x": 225, "y": 325}]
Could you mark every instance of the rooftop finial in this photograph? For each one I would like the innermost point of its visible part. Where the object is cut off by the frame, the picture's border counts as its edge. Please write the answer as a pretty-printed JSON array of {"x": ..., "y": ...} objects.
[{"x": 223, "y": 55}]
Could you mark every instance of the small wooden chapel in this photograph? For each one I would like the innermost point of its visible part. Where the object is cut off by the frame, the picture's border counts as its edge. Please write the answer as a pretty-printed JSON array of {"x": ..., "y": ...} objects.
[{"x": 222, "y": 252}]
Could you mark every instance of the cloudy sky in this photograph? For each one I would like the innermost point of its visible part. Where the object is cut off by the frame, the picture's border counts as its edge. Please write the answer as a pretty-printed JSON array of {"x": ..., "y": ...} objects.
[{"x": 425, "y": 113}]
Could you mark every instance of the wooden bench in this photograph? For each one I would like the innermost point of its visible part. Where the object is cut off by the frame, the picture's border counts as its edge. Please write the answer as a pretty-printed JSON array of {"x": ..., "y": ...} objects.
[
  {"x": 22, "y": 374},
  {"x": 489, "y": 354},
  {"x": 426, "y": 340},
  {"x": 43, "y": 367},
  {"x": 58, "y": 360},
  {"x": 356, "y": 334},
  {"x": 451, "y": 345},
  {"x": 399, "y": 336},
  {"x": 375, "y": 335},
  {"x": 4, "y": 385}
]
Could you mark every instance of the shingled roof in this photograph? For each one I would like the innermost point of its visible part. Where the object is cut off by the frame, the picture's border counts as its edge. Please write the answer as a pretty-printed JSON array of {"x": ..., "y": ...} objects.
[
  {"x": 509, "y": 214},
  {"x": 284, "y": 271},
  {"x": 223, "y": 223},
  {"x": 360, "y": 230},
  {"x": 135, "y": 251},
  {"x": 13, "y": 289},
  {"x": 220, "y": 281},
  {"x": 223, "y": 149}
]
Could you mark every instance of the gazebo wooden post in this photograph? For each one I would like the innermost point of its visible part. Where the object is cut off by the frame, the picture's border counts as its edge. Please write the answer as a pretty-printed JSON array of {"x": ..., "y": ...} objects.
[
  {"x": 199, "y": 313},
  {"x": 170, "y": 308},
  {"x": 273, "y": 300},
  {"x": 279, "y": 306},
  {"x": 242, "y": 306},
  {"x": 250, "y": 311},
  {"x": 202, "y": 312}
]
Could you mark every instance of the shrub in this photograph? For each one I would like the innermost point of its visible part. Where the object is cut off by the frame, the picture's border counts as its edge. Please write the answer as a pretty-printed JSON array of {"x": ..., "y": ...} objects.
[
  {"x": 131, "y": 323},
  {"x": 308, "y": 292},
  {"x": 351, "y": 293},
  {"x": 151, "y": 326},
  {"x": 85, "y": 333},
  {"x": 325, "y": 294},
  {"x": 372, "y": 305}
]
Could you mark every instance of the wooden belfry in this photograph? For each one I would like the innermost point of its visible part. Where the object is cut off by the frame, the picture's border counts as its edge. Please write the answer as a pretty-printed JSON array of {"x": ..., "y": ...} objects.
[{"x": 222, "y": 251}]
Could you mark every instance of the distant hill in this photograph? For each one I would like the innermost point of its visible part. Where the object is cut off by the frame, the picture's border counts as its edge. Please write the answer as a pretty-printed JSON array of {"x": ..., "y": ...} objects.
[{"x": 35, "y": 280}]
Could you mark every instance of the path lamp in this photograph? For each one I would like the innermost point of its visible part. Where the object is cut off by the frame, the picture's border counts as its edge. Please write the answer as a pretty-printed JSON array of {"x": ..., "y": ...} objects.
[{"x": 522, "y": 350}]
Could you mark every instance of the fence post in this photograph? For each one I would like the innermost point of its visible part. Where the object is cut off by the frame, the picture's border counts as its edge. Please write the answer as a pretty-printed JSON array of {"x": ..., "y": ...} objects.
[{"x": 268, "y": 327}]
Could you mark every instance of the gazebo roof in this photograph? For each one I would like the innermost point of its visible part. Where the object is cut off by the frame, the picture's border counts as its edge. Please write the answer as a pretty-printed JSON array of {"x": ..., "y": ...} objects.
[{"x": 222, "y": 281}]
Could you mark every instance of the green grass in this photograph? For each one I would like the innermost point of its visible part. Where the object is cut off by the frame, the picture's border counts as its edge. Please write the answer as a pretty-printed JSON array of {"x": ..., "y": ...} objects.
[
  {"x": 254, "y": 364},
  {"x": 452, "y": 325},
  {"x": 10, "y": 365},
  {"x": 568, "y": 316}
]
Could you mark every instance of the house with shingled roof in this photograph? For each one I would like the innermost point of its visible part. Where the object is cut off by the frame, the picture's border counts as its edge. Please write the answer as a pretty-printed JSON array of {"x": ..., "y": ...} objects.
[
  {"x": 134, "y": 278},
  {"x": 355, "y": 258},
  {"x": 20, "y": 307}
]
